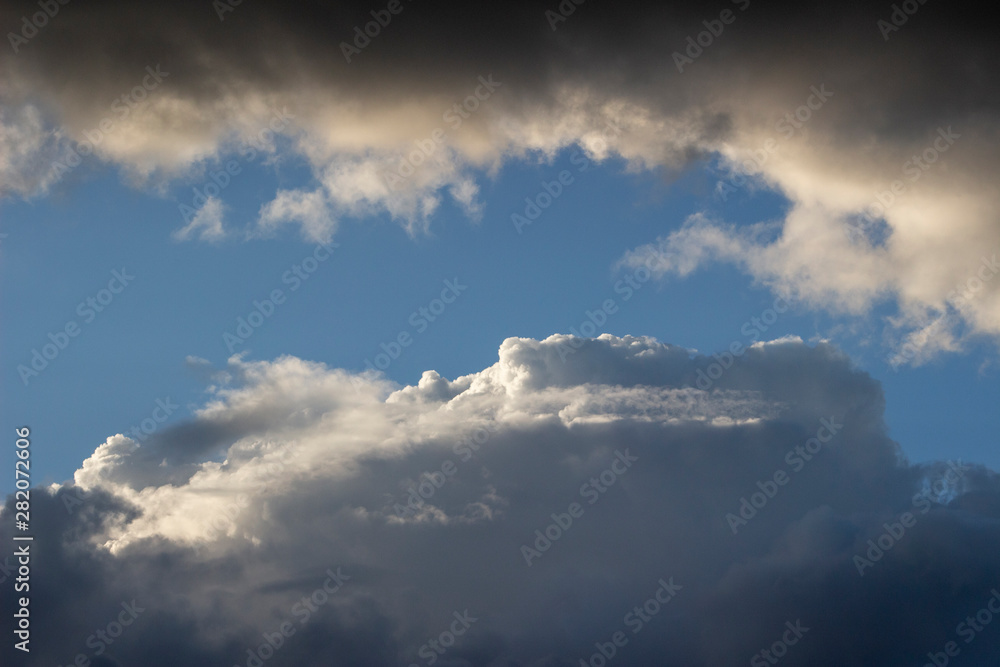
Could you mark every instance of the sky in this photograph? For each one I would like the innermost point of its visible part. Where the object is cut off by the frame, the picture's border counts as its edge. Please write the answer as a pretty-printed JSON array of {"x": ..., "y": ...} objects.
[{"x": 498, "y": 335}]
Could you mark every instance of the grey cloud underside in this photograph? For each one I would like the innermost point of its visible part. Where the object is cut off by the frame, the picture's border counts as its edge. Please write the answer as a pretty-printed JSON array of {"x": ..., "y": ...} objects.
[{"x": 347, "y": 463}]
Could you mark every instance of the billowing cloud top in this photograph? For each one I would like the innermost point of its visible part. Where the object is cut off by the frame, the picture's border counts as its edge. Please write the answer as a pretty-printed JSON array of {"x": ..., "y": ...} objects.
[{"x": 577, "y": 497}]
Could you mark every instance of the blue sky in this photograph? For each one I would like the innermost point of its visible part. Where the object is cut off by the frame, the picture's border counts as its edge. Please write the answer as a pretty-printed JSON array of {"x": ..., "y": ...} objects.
[{"x": 62, "y": 250}]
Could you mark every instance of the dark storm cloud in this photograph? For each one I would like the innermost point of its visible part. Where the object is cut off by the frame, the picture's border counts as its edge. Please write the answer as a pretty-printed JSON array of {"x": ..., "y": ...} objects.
[
  {"x": 277, "y": 46},
  {"x": 89, "y": 54},
  {"x": 428, "y": 502}
]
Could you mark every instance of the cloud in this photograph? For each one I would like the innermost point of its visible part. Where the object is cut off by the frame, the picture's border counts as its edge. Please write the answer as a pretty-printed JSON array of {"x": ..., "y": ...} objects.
[
  {"x": 27, "y": 149},
  {"x": 427, "y": 496},
  {"x": 309, "y": 209},
  {"x": 813, "y": 261},
  {"x": 206, "y": 222}
]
